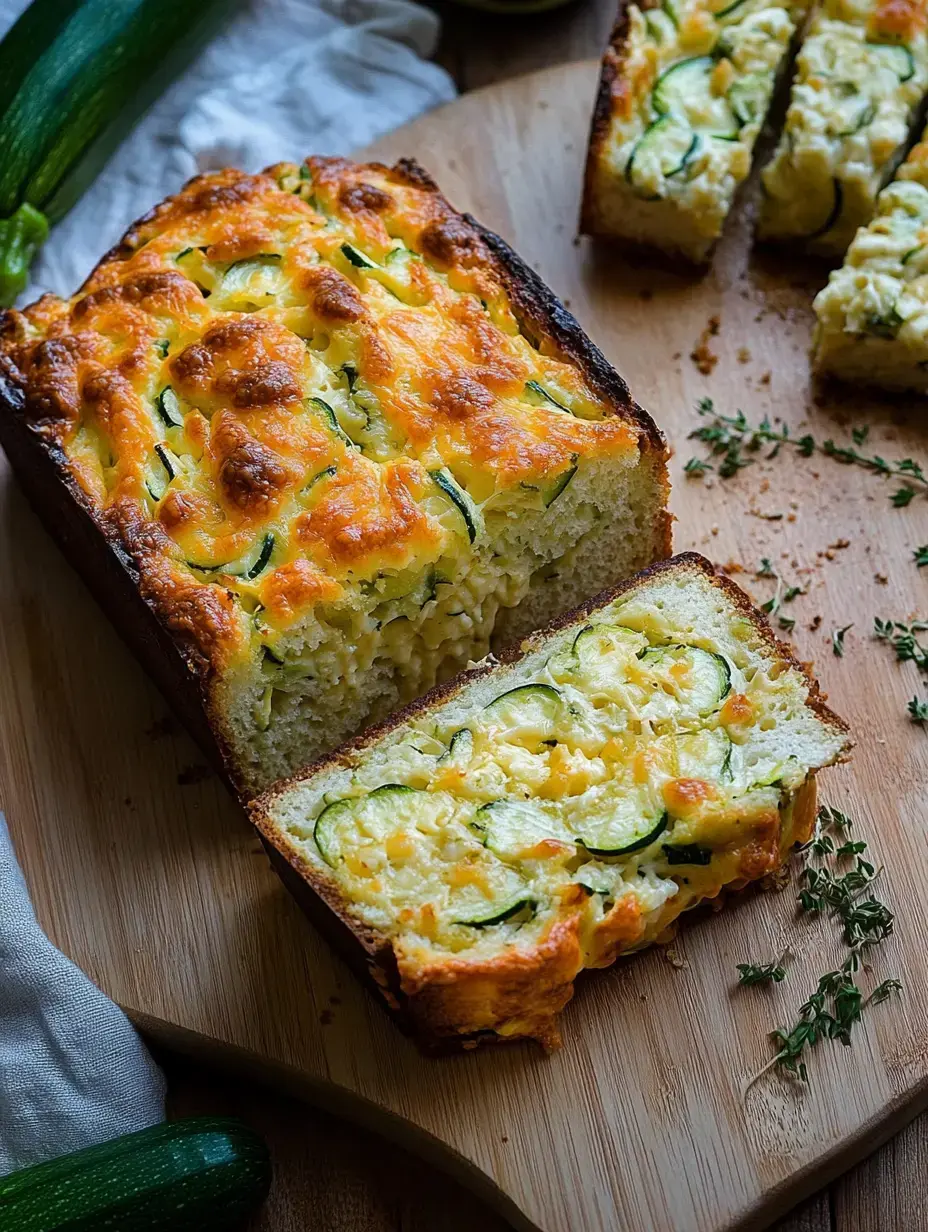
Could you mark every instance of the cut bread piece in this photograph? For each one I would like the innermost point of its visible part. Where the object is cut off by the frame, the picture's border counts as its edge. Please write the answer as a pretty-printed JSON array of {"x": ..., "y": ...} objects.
[
  {"x": 683, "y": 94},
  {"x": 551, "y": 811},
  {"x": 316, "y": 438},
  {"x": 861, "y": 74},
  {"x": 872, "y": 323}
]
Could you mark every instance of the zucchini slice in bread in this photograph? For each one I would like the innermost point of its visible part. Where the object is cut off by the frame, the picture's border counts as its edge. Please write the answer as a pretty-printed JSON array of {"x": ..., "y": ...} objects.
[
  {"x": 873, "y": 315},
  {"x": 683, "y": 94},
  {"x": 641, "y": 755},
  {"x": 861, "y": 74},
  {"x": 316, "y": 438}
]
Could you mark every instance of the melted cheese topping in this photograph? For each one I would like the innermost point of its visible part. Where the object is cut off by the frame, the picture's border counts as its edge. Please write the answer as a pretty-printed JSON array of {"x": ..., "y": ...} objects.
[
  {"x": 693, "y": 86},
  {"x": 861, "y": 73},
  {"x": 287, "y": 388},
  {"x": 622, "y": 773},
  {"x": 873, "y": 314}
]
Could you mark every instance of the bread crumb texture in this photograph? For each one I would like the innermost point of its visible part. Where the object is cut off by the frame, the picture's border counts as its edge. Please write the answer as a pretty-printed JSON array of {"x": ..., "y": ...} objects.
[
  {"x": 566, "y": 807},
  {"x": 338, "y": 435}
]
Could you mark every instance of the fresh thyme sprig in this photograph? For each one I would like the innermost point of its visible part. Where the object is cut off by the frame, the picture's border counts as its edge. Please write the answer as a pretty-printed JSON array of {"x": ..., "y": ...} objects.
[
  {"x": 838, "y": 1001},
  {"x": 818, "y": 1021},
  {"x": 731, "y": 439},
  {"x": 904, "y": 639},
  {"x": 833, "y": 819},
  {"x": 823, "y": 889},
  {"x": 780, "y": 596},
  {"x": 768, "y": 973}
]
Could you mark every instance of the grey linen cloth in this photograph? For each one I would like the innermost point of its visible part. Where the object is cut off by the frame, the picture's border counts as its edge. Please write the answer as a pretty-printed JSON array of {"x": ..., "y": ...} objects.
[
  {"x": 72, "y": 1069},
  {"x": 283, "y": 79}
]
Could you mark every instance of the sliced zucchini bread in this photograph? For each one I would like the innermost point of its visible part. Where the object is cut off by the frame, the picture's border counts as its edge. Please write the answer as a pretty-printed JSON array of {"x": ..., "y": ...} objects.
[
  {"x": 683, "y": 94},
  {"x": 873, "y": 314},
  {"x": 314, "y": 437},
  {"x": 551, "y": 811},
  {"x": 861, "y": 74}
]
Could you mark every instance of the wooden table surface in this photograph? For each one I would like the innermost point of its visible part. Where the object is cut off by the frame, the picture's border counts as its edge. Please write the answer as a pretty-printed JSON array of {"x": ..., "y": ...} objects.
[{"x": 333, "y": 1177}]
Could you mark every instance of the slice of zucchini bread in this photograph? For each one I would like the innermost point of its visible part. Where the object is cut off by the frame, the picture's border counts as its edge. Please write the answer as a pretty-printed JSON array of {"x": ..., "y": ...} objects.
[
  {"x": 315, "y": 437},
  {"x": 861, "y": 74},
  {"x": 683, "y": 94},
  {"x": 872, "y": 322},
  {"x": 552, "y": 811}
]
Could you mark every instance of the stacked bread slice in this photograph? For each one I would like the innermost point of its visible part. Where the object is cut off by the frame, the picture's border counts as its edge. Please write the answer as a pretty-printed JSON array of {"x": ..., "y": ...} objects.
[{"x": 685, "y": 88}]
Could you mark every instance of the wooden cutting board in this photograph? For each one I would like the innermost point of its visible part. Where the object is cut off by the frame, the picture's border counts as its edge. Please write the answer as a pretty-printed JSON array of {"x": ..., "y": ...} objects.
[{"x": 144, "y": 871}]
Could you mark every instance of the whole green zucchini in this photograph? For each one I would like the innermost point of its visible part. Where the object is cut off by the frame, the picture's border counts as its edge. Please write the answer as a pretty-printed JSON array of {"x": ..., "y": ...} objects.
[
  {"x": 74, "y": 77},
  {"x": 204, "y": 1174}
]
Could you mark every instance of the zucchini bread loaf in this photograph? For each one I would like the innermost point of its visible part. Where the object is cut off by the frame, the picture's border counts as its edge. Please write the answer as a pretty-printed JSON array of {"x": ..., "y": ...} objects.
[
  {"x": 550, "y": 812},
  {"x": 315, "y": 438}
]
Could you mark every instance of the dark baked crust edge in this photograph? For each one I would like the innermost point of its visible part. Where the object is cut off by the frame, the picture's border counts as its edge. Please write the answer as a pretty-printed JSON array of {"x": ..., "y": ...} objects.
[
  {"x": 108, "y": 571},
  {"x": 611, "y": 66}
]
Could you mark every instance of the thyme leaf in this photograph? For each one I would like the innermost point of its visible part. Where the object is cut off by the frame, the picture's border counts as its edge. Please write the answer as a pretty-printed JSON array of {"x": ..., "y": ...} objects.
[
  {"x": 837, "y": 639},
  {"x": 903, "y": 637},
  {"x": 767, "y": 973}
]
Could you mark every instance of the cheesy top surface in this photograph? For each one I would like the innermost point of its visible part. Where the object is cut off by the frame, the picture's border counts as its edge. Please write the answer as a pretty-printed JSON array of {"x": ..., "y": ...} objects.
[
  {"x": 693, "y": 87},
  {"x": 861, "y": 72},
  {"x": 287, "y": 387},
  {"x": 629, "y": 762},
  {"x": 880, "y": 294}
]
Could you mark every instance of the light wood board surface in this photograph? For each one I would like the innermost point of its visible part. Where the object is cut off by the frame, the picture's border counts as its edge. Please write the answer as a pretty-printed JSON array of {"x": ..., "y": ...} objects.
[{"x": 158, "y": 889}]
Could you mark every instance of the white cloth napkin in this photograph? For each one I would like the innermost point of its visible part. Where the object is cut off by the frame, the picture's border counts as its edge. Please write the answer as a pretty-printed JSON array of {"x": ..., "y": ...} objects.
[{"x": 284, "y": 78}]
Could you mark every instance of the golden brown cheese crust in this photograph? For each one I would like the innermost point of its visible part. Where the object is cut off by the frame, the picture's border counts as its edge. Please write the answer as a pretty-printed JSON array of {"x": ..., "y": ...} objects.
[
  {"x": 450, "y": 1002},
  {"x": 898, "y": 19},
  {"x": 446, "y": 359}
]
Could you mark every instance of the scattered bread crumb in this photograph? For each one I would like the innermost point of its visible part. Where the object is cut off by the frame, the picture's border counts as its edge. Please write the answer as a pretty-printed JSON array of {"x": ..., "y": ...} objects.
[
  {"x": 675, "y": 958},
  {"x": 778, "y": 880},
  {"x": 702, "y": 356}
]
